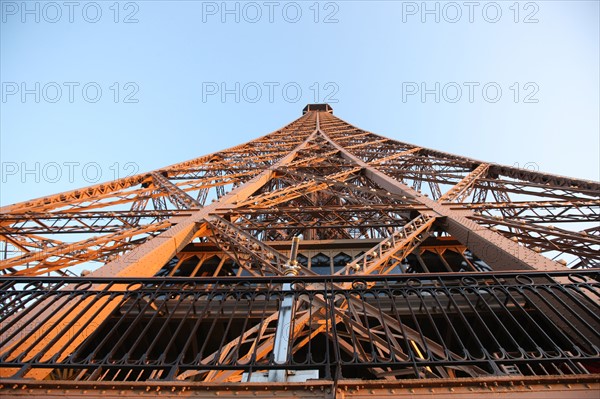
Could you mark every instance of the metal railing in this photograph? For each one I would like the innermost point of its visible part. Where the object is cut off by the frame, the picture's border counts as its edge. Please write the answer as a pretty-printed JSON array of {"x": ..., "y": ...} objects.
[{"x": 215, "y": 329}]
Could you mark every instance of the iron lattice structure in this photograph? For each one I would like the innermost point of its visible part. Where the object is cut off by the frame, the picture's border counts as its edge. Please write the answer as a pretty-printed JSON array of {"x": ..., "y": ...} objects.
[{"x": 416, "y": 269}]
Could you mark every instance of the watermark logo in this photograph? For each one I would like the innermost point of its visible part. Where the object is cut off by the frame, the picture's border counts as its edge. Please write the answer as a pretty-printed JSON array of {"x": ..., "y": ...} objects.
[
  {"x": 269, "y": 12},
  {"x": 471, "y": 92},
  {"x": 527, "y": 166},
  {"x": 54, "y": 172},
  {"x": 470, "y": 12},
  {"x": 54, "y": 92},
  {"x": 254, "y": 92},
  {"x": 53, "y": 12}
]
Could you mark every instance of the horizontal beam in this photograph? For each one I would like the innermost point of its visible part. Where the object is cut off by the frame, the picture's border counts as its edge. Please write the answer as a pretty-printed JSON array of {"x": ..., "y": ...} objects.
[{"x": 551, "y": 387}]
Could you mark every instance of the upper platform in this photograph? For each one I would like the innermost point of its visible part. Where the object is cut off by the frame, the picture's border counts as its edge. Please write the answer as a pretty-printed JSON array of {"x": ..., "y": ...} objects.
[{"x": 317, "y": 107}]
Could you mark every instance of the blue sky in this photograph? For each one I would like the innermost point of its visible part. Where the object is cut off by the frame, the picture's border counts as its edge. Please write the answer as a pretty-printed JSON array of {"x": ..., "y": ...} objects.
[{"x": 372, "y": 58}]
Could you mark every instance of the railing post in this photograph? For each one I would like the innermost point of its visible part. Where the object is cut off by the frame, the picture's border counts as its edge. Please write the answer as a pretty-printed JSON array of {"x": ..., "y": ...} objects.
[{"x": 282, "y": 336}]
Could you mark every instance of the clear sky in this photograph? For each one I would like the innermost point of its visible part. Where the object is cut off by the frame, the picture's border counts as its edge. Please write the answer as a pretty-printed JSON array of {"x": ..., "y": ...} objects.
[{"x": 97, "y": 90}]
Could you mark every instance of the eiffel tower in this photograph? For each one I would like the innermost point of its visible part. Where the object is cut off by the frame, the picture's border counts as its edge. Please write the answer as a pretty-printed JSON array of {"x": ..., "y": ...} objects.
[{"x": 320, "y": 260}]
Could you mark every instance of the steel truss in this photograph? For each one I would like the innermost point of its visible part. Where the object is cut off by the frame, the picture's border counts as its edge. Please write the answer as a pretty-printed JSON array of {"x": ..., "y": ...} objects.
[{"x": 182, "y": 267}]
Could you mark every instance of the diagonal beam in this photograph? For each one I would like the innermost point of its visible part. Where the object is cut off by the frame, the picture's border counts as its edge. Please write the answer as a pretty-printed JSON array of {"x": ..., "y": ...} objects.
[
  {"x": 463, "y": 188},
  {"x": 26, "y": 242},
  {"x": 398, "y": 246},
  {"x": 395, "y": 156},
  {"x": 494, "y": 249},
  {"x": 247, "y": 251},
  {"x": 298, "y": 190},
  {"x": 333, "y": 184},
  {"x": 70, "y": 254},
  {"x": 550, "y": 238},
  {"x": 180, "y": 198}
]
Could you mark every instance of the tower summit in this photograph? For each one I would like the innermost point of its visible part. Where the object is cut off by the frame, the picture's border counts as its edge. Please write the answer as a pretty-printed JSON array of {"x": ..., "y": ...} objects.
[
  {"x": 418, "y": 272},
  {"x": 317, "y": 107}
]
